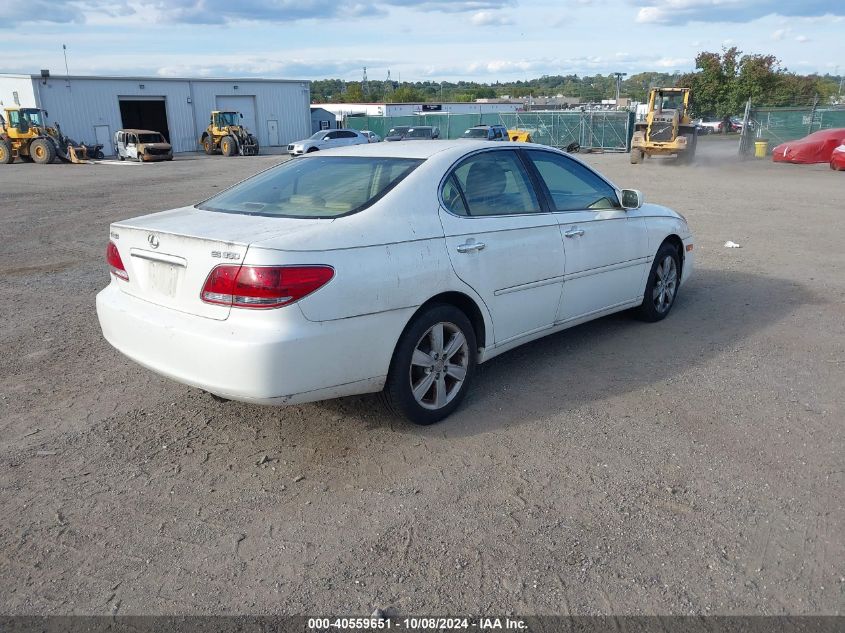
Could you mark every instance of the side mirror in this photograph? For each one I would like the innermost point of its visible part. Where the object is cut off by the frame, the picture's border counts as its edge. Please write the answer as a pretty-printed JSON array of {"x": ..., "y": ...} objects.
[
  {"x": 46, "y": 114},
  {"x": 632, "y": 199},
  {"x": 241, "y": 114}
]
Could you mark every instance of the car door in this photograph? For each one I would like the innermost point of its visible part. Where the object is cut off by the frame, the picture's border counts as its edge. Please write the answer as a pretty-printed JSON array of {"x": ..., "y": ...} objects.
[
  {"x": 131, "y": 146},
  {"x": 345, "y": 137},
  {"x": 502, "y": 242},
  {"x": 330, "y": 140},
  {"x": 607, "y": 251}
]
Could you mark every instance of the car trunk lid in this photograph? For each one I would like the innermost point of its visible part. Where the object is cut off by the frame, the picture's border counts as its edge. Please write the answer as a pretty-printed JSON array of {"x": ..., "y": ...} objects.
[{"x": 168, "y": 256}]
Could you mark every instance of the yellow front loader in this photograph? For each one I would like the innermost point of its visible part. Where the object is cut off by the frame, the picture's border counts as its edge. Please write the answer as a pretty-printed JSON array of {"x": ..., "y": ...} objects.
[
  {"x": 226, "y": 134},
  {"x": 667, "y": 129},
  {"x": 24, "y": 134}
]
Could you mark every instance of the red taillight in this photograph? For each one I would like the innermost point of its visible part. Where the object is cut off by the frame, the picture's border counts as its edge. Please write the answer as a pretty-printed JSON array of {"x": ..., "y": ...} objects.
[
  {"x": 263, "y": 286},
  {"x": 115, "y": 263}
]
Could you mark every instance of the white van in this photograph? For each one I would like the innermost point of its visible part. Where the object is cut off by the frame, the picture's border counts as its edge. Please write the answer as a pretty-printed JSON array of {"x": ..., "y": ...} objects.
[{"x": 141, "y": 145}]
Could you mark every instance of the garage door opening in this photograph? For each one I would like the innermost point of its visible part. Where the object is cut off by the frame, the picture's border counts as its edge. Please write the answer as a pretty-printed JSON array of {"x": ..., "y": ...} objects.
[
  {"x": 145, "y": 114},
  {"x": 245, "y": 104}
]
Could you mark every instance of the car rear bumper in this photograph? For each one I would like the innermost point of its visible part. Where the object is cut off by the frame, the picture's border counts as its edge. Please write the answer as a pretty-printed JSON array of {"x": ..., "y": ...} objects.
[{"x": 264, "y": 357}]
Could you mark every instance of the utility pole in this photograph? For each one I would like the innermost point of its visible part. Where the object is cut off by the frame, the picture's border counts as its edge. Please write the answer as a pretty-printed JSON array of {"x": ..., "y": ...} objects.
[
  {"x": 67, "y": 72},
  {"x": 388, "y": 87},
  {"x": 364, "y": 87},
  {"x": 619, "y": 85}
]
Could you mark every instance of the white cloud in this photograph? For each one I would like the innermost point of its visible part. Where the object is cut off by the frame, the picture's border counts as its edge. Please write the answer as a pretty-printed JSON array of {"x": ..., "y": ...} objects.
[
  {"x": 781, "y": 34},
  {"x": 489, "y": 18},
  {"x": 803, "y": 39},
  {"x": 736, "y": 11}
]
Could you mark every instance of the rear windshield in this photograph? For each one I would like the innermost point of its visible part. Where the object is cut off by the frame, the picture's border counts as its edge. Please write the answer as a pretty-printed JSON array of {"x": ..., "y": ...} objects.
[
  {"x": 476, "y": 132},
  {"x": 318, "y": 187}
]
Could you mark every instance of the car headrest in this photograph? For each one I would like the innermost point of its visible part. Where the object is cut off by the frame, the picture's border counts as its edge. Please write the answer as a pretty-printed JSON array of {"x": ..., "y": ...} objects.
[{"x": 485, "y": 179}]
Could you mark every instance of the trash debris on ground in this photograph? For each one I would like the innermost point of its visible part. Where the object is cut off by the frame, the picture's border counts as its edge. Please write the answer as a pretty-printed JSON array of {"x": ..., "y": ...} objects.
[{"x": 730, "y": 244}]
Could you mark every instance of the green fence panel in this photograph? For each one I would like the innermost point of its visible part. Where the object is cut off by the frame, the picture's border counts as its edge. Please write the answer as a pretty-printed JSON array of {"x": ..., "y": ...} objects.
[
  {"x": 591, "y": 129},
  {"x": 779, "y": 125}
]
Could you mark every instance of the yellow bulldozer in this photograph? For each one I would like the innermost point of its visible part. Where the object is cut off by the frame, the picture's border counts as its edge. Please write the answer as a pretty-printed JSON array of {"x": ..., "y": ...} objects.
[
  {"x": 24, "y": 134},
  {"x": 667, "y": 128},
  {"x": 226, "y": 134}
]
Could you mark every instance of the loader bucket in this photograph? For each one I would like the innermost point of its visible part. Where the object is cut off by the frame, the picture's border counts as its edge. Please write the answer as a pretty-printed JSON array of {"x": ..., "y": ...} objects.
[{"x": 76, "y": 155}]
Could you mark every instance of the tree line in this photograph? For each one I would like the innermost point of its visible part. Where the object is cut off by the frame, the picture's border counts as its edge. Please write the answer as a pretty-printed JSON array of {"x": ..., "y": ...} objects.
[{"x": 721, "y": 84}]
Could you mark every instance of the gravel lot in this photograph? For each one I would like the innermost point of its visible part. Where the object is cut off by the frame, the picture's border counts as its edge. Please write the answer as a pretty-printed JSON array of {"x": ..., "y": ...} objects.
[{"x": 692, "y": 466}]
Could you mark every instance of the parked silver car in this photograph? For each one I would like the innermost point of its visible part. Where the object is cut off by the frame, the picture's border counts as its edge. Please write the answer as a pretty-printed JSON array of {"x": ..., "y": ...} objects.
[
  {"x": 374, "y": 138},
  {"x": 326, "y": 139}
]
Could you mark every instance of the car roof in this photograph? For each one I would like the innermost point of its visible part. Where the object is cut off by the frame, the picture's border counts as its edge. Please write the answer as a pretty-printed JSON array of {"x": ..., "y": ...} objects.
[
  {"x": 137, "y": 131},
  {"x": 413, "y": 149}
]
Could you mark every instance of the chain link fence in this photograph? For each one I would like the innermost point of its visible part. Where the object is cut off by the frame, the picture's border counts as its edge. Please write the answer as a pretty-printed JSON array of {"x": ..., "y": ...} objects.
[
  {"x": 591, "y": 129},
  {"x": 779, "y": 125}
]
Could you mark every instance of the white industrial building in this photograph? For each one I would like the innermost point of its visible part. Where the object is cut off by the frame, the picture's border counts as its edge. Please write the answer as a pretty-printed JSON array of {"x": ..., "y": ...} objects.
[
  {"x": 341, "y": 110},
  {"x": 91, "y": 109}
]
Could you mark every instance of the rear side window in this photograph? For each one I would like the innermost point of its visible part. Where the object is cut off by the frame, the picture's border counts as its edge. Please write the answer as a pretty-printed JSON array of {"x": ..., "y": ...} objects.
[
  {"x": 492, "y": 183},
  {"x": 571, "y": 185},
  {"x": 319, "y": 187}
]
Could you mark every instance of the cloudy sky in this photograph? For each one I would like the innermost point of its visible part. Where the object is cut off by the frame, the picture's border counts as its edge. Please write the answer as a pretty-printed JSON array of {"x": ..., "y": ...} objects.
[{"x": 484, "y": 40}]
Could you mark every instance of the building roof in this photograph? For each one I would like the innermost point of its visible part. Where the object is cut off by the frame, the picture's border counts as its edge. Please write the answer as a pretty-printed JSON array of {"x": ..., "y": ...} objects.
[{"x": 153, "y": 78}]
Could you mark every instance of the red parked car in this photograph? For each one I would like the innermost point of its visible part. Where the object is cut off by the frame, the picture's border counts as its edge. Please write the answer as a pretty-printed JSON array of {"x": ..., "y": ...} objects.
[
  {"x": 837, "y": 159},
  {"x": 814, "y": 148}
]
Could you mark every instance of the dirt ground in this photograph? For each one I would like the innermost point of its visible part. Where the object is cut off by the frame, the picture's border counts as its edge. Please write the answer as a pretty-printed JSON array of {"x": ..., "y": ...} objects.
[{"x": 690, "y": 466}]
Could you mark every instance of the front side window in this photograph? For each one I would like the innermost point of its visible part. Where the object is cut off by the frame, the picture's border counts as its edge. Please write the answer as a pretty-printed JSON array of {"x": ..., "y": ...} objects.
[
  {"x": 571, "y": 185},
  {"x": 318, "y": 187},
  {"x": 493, "y": 183},
  {"x": 32, "y": 116}
]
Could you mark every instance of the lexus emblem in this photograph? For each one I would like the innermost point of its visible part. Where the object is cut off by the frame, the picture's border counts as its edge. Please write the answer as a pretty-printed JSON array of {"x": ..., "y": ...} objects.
[{"x": 153, "y": 240}]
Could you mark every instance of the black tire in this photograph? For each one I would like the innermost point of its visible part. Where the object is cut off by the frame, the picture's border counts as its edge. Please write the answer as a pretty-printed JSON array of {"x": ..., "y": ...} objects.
[
  {"x": 312, "y": 149},
  {"x": 636, "y": 155},
  {"x": 99, "y": 155},
  {"x": 208, "y": 145},
  {"x": 42, "y": 151},
  {"x": 121, "y": 158},
  {"x": 688, "y": 155},
  {"x": 6, "y": 155},
  {"x": 227, "y": 146},
  {"x": 398, "y": 394},
  {"x": 651, "y": 309}
]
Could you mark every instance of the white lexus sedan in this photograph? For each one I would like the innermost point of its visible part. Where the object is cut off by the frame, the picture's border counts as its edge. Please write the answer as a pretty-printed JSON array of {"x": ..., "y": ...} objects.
[
  {"x": 327, "y": 139},
  {"x": 392, "y": 267}
]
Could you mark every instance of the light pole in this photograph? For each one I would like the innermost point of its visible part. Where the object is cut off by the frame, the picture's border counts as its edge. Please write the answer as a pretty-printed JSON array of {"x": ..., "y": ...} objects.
[{"x": 619, "y": 85}]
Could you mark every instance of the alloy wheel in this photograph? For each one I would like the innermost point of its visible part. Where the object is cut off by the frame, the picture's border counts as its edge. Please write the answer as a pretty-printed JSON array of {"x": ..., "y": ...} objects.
[
  {"x": 665, "y": 285},
  {"x": 439, "y": 365}
]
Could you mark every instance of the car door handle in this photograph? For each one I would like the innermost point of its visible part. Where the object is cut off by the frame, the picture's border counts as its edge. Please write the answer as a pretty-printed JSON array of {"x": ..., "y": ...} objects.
[
  {"x": 574, "y": 233},
  {"x": 471, "y": 247}
]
